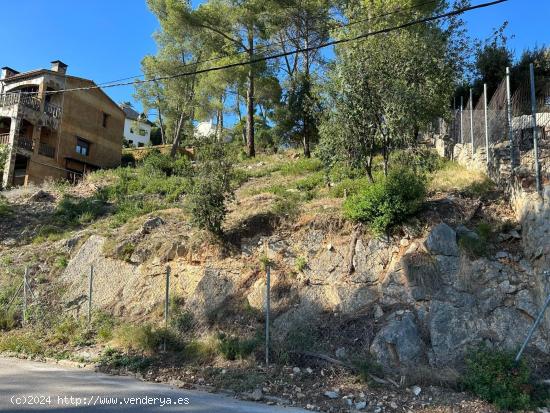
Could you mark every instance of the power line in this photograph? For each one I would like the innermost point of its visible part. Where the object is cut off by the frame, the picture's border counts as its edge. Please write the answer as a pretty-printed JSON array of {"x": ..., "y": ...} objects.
[
  {"x": 267, "y": 46},
  {"x": 283, "y": 54}
]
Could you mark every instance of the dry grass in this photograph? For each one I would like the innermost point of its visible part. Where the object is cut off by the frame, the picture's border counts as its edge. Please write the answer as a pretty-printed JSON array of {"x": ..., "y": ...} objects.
[{"x": 456, "y": 178}]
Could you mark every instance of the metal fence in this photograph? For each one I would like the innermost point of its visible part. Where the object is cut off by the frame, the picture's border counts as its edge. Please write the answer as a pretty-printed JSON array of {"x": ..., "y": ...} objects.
[{"x": 510, "y": 130}]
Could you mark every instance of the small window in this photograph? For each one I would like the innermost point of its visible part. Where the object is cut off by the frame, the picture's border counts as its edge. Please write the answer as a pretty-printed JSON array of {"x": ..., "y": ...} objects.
[
  {"x": 105, "y": 119},
  {"x": 143, "y": 132},
  {"x": 140, "y": 145},
  {"x": 82, "y": 147},
  {"x": 131, "y": 142}
]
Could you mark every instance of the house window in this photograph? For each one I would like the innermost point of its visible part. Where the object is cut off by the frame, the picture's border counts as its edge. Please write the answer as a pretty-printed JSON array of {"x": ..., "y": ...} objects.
[
  {"x": 140, "y": 145},
  {"x": 143, "y": 132},
  {"x": 82, "y": 147},
  {"x": 105, "y": 119}
]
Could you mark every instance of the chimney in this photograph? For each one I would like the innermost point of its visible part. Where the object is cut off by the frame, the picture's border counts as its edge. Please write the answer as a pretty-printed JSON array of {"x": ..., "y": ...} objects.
[
  {"x": 59, "y": 67},
  {"x": 8, "y": 72}
]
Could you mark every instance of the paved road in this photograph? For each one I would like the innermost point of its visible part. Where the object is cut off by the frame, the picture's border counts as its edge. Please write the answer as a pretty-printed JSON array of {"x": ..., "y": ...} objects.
[{"x": 20, "y": 379}]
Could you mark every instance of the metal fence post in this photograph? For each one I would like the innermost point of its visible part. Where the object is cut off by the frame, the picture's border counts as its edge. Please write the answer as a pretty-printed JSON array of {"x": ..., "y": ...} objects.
[
  {"x": 472, "y": 120},
  {"x": 509, "y": 117},
  {"x": 534, "y": 125},
  {"x": 487, "y": 155},
  {"x": 25, "y": 276},
  {"x": 166, "y": 302},
  {"x": 267, "y": 311},
  {"x": 461, "y": 116},
  {"x": 90, "y": 290}
]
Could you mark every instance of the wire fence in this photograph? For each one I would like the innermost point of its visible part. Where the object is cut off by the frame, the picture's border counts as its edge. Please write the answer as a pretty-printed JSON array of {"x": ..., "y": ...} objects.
[{"x": 509, "y": 130}]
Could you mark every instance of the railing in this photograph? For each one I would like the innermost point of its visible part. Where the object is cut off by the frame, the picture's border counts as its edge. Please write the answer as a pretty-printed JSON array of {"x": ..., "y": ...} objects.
[
  {"x": 25, "y": 143},
  {"x": 52, "y": 110},
  {"x": 30, "y": 101},
  {"x": 4, "y": 139},
  {"x": 46, "y": 150}
]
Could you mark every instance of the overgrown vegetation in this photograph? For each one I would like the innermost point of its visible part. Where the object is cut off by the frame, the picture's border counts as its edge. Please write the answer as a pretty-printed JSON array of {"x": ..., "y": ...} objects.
[
  {"x": 494, "y": 376},
  {"x": 388, "y": 201}
]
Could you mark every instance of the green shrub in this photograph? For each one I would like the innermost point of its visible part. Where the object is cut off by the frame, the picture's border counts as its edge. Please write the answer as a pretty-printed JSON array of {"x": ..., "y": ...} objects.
[
  {"x": 300, "y": 264},
  {"x": 183, "y": 321},
  {"x": 112, "y": 358},
  {"x": 103, "y": 325},
  {"x": 136, "y": 337},
  {"x": 21, "y": 342},
  {"x": 348, "y": 186},
  {"x": 66, "y": 330},
  {"x": 301, "y": 166},
  {"x": 494, "y": 376},
  {"x": 5, "y": 209},
  {"x": 201, "y": 351},
  {"x": 9, "y": 319},
  {"x": 421, "y": 160},
  {"x": 389, "y": 201},
  {"x": 365, "y": 367},
  {"x": 156, "y": 161},
  {"x": 127, "y": 159},
  {"x": 233, "y": 347},
  {"x": 476, "y": 246},
  {"x": 212, "y": 187},
  {"x": 311, "y": 182}
]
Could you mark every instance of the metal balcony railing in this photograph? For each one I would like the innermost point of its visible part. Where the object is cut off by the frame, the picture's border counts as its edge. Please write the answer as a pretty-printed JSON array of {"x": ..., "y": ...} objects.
[
  {"x": 46, "y": 150},
  {"x": 10, "y": 99},
  {"x": 25, "y": 143},
  {"x": 4, "y": 139},
  {"x": 52, "y": 110}
]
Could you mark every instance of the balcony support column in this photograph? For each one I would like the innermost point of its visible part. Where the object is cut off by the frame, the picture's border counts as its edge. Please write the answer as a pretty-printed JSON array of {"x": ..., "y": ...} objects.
[
  {"x": 9, "y": 167},
  {"x": 36, "y": 132}
]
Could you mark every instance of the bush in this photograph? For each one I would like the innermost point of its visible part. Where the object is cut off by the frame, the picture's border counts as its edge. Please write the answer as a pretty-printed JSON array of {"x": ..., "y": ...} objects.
[
  {"x": 21, "y": 342},
  {"x": 233, "y": 347},
  {"x": 302, "y": 166},
  {"x": 494, "y": 376},
  {"x": 183, "y": 321},
  {"x": 136, "y": 337},
  {"x": 389, "y": 201},
  {"x": 5, "y": 209},
  {"x": 112, "y": 358},
  {"x": 421, "y": 160},
  {"x": 8, "y": 319},
  {"x": 212, "y": 187},
  {"x": 300, "y": 263}
]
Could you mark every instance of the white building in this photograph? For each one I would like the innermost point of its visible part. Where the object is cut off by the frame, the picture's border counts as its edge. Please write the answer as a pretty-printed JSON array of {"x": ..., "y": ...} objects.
[
  {"x": 137, "y": 128},
  {"x": 209, "y": 129}
]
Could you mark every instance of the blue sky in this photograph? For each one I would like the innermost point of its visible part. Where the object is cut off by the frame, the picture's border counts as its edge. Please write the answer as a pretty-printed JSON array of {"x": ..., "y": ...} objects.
[{"x": 105, "y": 40}]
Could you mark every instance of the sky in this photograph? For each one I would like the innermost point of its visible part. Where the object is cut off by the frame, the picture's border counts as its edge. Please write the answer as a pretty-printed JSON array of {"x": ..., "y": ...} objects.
[{"x": 105, "y": 40}]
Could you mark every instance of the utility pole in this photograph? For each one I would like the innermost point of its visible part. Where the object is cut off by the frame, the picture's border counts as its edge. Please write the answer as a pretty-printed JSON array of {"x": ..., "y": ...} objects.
[{"x": 166, "y": 303}]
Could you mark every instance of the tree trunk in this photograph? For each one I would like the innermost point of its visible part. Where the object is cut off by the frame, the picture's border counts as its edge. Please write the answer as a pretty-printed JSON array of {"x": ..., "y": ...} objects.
[
  {"x": 177, "y": 135},
  {"x": 161, "y": 125},
  {"x": 305, "y": 114},
  {"x": 250, "y": 99}
]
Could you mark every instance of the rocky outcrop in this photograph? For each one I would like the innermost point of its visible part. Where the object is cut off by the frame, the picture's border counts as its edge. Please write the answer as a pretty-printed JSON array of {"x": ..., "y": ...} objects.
[{"x": 426, "y": 300}]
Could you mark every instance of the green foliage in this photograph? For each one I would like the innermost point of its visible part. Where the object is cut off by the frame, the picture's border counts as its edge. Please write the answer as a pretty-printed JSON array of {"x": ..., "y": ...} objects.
[
  {"x": 182, "y": 321},
  {"x": 232, "y": 347},
  {"x": 103, "y": 325},
  {"x": 476, "y": 246},
  {"x": 21, "y": 342},
  {"x": 348, "y": 186},
  {"x": 136, "y": 337},
  {"x": 114, "y": 359},
  {"x": 494, "y": 376},
  {"x": 201, "y": 351},
  {"x": 311, "y": 182},
  {"x": 366, "y": 367},
  {"x": 421, "y": 160},
  {"x": 127, "y": 159},
  {"x": 5, "y": 209},
  {"x": 302, "y": 166},
  {"x": 212, "y": 187},
  {"x": 300, "y": 263},
  {"x": 61, "y": 261},
  {"x": 389, "y": 201},
  {"x": 9, "y": 319}
]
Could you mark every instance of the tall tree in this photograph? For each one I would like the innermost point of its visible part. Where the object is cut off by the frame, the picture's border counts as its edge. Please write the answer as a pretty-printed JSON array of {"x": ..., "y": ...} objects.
[
  {"x": 305, "y": 24},
  {"x": 238, "y": 26}
]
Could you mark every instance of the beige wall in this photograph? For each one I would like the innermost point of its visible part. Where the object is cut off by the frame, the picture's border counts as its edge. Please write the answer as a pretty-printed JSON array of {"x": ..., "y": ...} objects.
[{"x": 83, "y": 117}]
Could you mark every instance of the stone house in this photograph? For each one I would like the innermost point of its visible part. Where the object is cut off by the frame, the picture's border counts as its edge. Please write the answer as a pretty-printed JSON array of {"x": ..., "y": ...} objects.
[{"x": 56, "y": 135}]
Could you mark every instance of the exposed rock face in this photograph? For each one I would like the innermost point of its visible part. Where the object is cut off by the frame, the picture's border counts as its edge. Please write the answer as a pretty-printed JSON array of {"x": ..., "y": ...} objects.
[
  {"x": 428, "y": 301},
  {"x": 399, "y": 342},
  {"x": 442, "y": 241}
]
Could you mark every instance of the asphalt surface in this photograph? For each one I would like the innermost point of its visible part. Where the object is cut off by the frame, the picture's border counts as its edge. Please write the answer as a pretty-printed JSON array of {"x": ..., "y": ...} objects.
[{"x": 54, "y": 388}]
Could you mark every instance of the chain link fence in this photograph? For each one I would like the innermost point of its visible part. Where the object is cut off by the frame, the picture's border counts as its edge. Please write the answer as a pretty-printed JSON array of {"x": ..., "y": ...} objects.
[{"x": 509, "y": 130}]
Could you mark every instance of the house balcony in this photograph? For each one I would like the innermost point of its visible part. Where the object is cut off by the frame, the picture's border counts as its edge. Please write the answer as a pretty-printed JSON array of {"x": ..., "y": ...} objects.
[
  {"x": 46, "y": 150},
  {"x": 27, "y": 144},
  {"x": 32, "y": 103}
]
